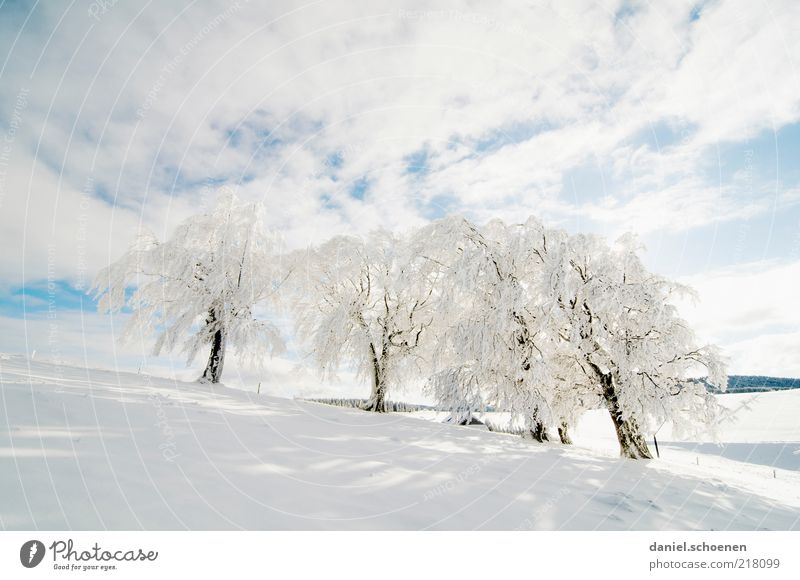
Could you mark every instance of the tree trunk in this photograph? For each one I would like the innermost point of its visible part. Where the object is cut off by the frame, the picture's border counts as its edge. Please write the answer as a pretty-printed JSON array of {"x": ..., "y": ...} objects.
[
  {"x": 631, "y": 440},
  {"x": 377, "y": 399},
  {"x": 216, "y": 359},
  {"x": 539, "y": 432},
  {"x": 563, "y": 434}
]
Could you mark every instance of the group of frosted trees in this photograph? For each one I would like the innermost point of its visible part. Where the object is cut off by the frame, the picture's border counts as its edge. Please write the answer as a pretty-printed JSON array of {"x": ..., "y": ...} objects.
[{"x": 526, "y": 319}]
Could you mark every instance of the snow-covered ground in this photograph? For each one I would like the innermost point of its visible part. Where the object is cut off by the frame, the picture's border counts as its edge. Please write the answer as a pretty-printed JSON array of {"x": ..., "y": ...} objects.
[{"x": 88, "y": 449}]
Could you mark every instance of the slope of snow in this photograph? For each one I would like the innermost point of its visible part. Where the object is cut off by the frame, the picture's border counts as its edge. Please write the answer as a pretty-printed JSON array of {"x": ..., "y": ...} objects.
[{"x": 88, "y": 449}]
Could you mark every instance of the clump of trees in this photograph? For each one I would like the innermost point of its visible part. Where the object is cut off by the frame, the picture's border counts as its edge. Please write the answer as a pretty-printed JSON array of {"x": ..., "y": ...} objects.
[{"x": 525, "y": 318}]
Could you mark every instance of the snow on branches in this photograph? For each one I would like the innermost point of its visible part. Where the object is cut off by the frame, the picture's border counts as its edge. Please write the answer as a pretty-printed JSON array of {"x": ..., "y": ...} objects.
[
  {"x": 200, "y": 288},
  {"x": 369, "y": 302},
  {"x": 525, "y": 318},
  {"x": 492, "y": 334},
  {"x": 549, "y": 325},
  {"x": 620, "y": 335}
]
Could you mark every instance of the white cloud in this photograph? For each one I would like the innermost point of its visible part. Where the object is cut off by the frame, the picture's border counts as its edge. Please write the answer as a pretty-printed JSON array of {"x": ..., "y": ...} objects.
[
  {"x": 391, "y": 80},
  {"x": 767, "y": 355},
  {"x": 741, "y": 74},
  {"x": 682, "y": 206},
  {"x": 750, "y": 311}
]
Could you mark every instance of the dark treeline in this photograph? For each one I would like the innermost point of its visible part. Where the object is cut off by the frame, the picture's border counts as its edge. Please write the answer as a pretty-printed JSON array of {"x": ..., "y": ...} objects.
[{"x": 755, "y": 384}]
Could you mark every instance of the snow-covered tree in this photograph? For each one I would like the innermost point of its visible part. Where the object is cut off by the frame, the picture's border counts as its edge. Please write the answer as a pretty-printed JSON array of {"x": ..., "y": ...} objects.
[
  {"x": 201, "y": 287},
  {"x": 493, "y": 337},
  {"x": 548, "y": 325},
  {"x": 457, "y": 391},
  {"x": 621, "y": 333},
  {"x": 367, "y": 302}
]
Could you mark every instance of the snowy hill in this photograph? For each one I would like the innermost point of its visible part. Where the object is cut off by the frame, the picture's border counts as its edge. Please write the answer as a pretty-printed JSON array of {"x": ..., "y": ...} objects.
[{"x": 86, "y": 449}]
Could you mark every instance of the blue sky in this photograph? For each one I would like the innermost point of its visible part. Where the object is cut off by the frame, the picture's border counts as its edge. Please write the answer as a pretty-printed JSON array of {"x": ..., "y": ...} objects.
[{"x": 679, "y": 121}]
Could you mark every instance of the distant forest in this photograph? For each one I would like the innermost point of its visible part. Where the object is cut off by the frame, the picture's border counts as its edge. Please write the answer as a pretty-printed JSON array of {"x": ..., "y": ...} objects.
[{"x": 756, "y": 384}]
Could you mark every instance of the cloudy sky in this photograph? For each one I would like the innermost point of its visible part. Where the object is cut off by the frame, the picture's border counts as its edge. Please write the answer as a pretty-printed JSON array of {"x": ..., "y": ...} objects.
[{"x": 678, "y": 120}]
